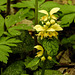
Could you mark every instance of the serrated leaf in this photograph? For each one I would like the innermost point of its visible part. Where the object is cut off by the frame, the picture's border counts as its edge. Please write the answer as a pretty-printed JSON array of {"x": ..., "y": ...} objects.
[
  {"x": 22, "y": 27},
  {"x": 67, "y": 19},
  {"x": 5, "y": 42},
  {"x": 15, "y": 68},
  {"x": 27, "y": 43},
  {"x": 14, "y": 32},
  {"x": 1, "y": 25},
  {"x": 29, "y": 4},
  {"x": 13, "y": 19},
  {"x": 51, "y": 46},
  {"x": 34, "y": 62}
]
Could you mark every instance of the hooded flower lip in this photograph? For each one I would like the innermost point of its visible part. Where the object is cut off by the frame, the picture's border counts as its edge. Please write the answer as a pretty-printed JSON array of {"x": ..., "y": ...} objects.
[
  {"x": 54, "y": 10},
  {"x": 55, "y": 27},
  {"x": 40, "y": 49},
  {"x": 39, "y": 28}
]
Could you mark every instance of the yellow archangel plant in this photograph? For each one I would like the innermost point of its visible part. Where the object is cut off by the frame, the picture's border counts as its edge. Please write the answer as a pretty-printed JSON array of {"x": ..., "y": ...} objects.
[
  {"x": 40, "y": 53},
  {"x": 50, "y": 25}
]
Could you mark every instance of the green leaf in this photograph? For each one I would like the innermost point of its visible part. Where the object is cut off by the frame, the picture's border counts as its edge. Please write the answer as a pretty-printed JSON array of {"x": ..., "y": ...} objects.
[
  {"x": 16, "y": 68},
  {"x": 22, "y": 27},
  {"x": 48, "y": 64},
  {"x": 34, "y": 62},
  {"x": 28, "y": 60},
  {"x": 48, "y": 72},
  {"x": 52, "y": 72},
  {"x": 51, "y": 46},
  {"x": 5, "y": 42},
  {"x": 29, "y": 4},
  {"x": 70, "y": 40},
  {"x": 67, "y": 19},
  {"x": 69, "y": 2},
  {"x": 13, "y": 19},
  {"x": 30, "y": 14},
  {"x": 26, "y": 45},
  {"x": 14, "y": 32},
  {"x": 73, "y": 46},
  {"x": 1, "y": 25}
]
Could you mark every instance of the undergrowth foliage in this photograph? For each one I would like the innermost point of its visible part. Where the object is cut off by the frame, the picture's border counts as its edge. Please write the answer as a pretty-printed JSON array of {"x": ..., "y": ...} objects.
[{"x": 15, "y": 38}]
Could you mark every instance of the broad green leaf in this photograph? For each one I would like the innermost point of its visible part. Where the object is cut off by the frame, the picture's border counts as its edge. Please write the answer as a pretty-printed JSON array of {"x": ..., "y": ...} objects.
[
  {"x": 34, "y": 62},
  {"x": 70, "y": 40},
  {"x": 51, "y": 46},
  {"x": 16, "y": 68},
  {"x": 2, "y": 8},
  {"x": 65, "y": 9},
  {"x": 29, "y": 4},
  {"x": 13, "y": 19},
  {"x": 3, "y": 2},
  {"x": 49, "y": 5},
  {"x": 67, "y": 19},
  {"x": 26, "y": 45},
  {"x": 14, "y": 32},
  {"x": 28, "y": 60},
  {"x": 1, "y": 25},
  {"x": 22, "y": 27}
]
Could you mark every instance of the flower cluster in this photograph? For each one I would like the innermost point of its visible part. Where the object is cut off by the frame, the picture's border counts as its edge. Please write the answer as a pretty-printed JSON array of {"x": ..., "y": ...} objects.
[
  {"x": 49, "y": 25},
  {"x": 40, "y": 53}
]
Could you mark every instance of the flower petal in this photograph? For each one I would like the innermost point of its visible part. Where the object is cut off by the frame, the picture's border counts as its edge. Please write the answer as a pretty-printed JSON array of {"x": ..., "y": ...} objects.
[
  {"x": 44, "y": 18},
  {"x": 53, "y": 17},
  {"x": 56, "y": 27},
  {"x": 50, "y": 29},
  {"x": 54, "y": 10},
  {"x": 43, "y": 11},
  {"x": 38, "y": 47},
  {"x": 39, "y": 28}
]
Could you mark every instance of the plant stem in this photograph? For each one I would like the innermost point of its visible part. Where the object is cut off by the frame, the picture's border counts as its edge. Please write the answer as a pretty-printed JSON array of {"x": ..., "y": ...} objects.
[
  {"x": 36, "y": 19},
  {"x": 8, "y": 7},
  {"x": 43, "y": 68},
  {"x": 36, "y": 12}
]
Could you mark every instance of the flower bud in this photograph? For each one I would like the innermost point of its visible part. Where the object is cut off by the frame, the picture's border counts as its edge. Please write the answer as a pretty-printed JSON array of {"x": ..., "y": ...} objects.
[
  {"x": 49, "y": 58},
  {"x": 52, "y": 21},
  {"x": 43, "y": 58},
  {"x": 47, "y": 23}
]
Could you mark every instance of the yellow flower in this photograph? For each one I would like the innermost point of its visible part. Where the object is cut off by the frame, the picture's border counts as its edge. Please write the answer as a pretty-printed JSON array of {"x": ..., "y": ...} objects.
[
  {"x": 43, "y": 58},
  {"x": 49, "y": 58},
  {"x": 54, "y": 10},
  {"x": 48, "y": 23},
  {"x": 40, "y": 49},
  {"x": 55, "y": 27},
  {"x": 52, "y": 21}
]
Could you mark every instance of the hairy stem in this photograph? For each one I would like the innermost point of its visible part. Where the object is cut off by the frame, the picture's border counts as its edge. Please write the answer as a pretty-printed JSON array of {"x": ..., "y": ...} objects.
[
  {"x": 36, "y": 19},
  {"x": 43, "y": 68}
]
